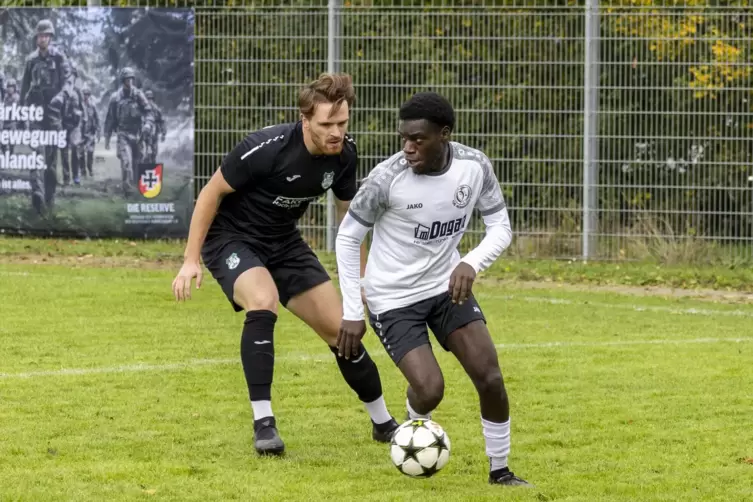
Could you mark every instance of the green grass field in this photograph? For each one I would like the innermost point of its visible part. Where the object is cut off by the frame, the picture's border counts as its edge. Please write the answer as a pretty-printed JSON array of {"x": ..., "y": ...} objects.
[{"x": 109, "y": 390}]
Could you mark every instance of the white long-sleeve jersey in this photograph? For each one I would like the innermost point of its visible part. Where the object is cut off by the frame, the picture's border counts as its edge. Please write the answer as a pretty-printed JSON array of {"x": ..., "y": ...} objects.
[{"x": 418, "y": 221}]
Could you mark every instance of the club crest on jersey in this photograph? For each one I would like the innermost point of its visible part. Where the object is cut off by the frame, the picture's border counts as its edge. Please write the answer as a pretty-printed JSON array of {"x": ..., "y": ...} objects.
[
  {"x": 327, "y": 180},
  {"x": 233, "y": 261},
  {"x": 462, "y": 196},
  {"x": 150, "y": 180}
]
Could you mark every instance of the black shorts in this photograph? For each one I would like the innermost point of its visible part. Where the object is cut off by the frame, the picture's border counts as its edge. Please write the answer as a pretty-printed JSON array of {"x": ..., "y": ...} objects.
[
  {"x": 402, "y": 330},
  {"x": 293, "y": 266}
]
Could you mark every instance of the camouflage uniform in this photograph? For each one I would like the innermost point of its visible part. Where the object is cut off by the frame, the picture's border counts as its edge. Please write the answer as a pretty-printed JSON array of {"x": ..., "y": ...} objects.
[
  {"x": 130, "y": 116},
  {"x": 11, "y": 96},
  {"x": 45, "y": 74},
  {"x": 68, "y": 113},
  {"x": 152, "y": 142},
  {"x": 92, "y": 133}
]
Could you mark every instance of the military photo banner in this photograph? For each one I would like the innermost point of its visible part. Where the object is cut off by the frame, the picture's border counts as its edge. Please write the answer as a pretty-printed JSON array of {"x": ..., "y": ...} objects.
[{"x": 96, "y": 121}]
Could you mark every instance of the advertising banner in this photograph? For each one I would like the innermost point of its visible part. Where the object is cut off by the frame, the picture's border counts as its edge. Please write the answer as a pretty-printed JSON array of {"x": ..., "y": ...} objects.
[{"x": 96, "y": 122}]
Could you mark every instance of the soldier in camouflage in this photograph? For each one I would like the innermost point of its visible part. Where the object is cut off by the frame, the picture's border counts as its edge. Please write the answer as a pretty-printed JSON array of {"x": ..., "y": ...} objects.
[
  {"x": 160, "y": 132},
  {"x": 92, "y": 133},
  {"x": 46, "y": 71},
  {"x": 67, "y": 113},
  {"x": 11, "y": 97},
  {"x": 130, "y": 116}
]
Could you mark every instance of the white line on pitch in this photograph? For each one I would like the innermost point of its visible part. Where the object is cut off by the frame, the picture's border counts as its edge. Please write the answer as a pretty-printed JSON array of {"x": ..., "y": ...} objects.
[
  {"x": 194, "y": 363},
  {"x": 128, "y": 368},
  {"x": 617, "y": 343}
]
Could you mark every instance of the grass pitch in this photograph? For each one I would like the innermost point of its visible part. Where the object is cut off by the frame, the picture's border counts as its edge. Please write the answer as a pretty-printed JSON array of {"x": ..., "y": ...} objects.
[{"x": 109, "y": 390}]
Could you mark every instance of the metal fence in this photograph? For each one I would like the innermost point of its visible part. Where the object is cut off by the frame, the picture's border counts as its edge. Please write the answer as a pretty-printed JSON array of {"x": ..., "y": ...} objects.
[{"x": 617, "y": 130}]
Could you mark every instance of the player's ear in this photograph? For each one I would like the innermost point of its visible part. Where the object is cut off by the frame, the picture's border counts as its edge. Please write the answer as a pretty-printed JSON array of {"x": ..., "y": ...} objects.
[{"x": 445, "y": 133}]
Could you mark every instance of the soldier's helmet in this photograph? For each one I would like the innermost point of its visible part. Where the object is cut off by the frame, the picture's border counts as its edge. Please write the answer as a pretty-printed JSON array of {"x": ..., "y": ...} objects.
[
  {"x": 11, "y": 83},
  {"x": 45, "y": 27},
  {"x": 149, "y": 94},
  {"x": 126, "y": 73}
]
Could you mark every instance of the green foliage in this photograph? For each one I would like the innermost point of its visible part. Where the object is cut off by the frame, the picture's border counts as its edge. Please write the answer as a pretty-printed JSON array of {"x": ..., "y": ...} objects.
[
  {"x": 676, "y": 125},
  {"x": 674, "y": 99}
]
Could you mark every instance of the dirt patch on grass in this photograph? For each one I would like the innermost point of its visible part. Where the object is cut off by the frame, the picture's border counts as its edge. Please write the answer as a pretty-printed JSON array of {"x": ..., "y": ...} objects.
[
  {"x": 173, "y": 263},
  {"x": 700, "y": 294},
  {"x": 88, "y": 260}
]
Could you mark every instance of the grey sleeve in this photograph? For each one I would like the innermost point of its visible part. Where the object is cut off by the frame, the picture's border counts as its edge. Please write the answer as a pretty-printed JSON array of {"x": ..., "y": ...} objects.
[
  {"x": 491, "y": 199},
  {"x": 372, "y": 198}
]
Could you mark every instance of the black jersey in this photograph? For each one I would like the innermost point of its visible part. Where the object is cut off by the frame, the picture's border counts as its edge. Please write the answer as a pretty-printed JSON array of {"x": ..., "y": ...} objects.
[{"x": 275, "y": 178}]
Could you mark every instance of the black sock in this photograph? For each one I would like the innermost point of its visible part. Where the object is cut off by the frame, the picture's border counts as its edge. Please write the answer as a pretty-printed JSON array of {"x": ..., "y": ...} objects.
[
  {"x": 499, "y": 472},
  {"x": 361, "y": 374},
  {"x": 258, "y": 353}
]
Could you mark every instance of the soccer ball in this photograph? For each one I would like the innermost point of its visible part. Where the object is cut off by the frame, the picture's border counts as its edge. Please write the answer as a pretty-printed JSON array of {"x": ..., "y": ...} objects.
[{"x": 420, "y": 448}]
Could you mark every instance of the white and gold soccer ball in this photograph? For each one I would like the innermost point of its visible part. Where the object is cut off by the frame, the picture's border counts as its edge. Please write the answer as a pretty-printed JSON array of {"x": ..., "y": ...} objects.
[{"x": 420, "y": 448}]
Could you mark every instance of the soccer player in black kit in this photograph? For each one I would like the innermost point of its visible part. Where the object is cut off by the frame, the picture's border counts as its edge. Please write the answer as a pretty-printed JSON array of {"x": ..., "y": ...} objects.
[{"x": 244, "y": 226}]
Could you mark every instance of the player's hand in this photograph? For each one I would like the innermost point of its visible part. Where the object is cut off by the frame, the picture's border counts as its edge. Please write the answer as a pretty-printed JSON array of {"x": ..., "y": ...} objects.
[
  {"x": 182, "y": 282},
  {"x": 349, "y": 338},
  {"x": 461, "y": 282}
]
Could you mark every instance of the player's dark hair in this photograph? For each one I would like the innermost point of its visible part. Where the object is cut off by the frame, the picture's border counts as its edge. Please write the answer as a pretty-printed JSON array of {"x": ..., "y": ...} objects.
[
  {"x": 334, "y": 88},
  {"x": 429, "y": 106}
]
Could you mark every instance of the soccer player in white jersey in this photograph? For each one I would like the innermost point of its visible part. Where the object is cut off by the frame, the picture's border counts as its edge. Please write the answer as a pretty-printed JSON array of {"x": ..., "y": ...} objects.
[{"x": 419, "y": 203}]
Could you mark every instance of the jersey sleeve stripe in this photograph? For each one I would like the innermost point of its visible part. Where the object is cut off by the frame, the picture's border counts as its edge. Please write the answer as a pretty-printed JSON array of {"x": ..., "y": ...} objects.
[
  {"x": 262, "y": 144},
  {"x": 499, "y": 207},
  {"x": 359, "y": 219},
  {"x": 249, "y": 152}
]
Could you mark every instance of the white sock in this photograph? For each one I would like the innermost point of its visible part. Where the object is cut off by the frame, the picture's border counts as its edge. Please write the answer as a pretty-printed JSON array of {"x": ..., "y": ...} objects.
[
  {"x": 414, "y": 415},
  {"x": 378, "y": 411},
  {"x": 497, "y": 438},
  {"x": 262, "y": 409}
]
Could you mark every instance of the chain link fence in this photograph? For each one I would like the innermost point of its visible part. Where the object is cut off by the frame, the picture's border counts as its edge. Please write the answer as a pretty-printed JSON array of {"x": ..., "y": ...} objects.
[{"x": 618, "y": 129}]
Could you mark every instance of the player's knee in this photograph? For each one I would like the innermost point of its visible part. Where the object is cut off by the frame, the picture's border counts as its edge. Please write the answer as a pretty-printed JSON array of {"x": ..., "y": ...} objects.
[
  {"x": 254, "y": 289},
  {"x": 259, "y": 302},
  {"x": 256, "y": 299},
  {"x": 430, "y": 391}
]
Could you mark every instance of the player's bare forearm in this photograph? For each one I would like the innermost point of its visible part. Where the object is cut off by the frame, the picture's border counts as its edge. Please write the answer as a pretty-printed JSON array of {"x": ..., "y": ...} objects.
[
  {"x": 206, "y": 208},
  {"x": 203, "y": 214}
]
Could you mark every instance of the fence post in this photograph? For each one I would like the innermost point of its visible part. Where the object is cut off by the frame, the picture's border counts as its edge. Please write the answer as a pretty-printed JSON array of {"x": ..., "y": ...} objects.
[
  {"x": 333, "y": 63},
  {"x": 590, "y": 129}
]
